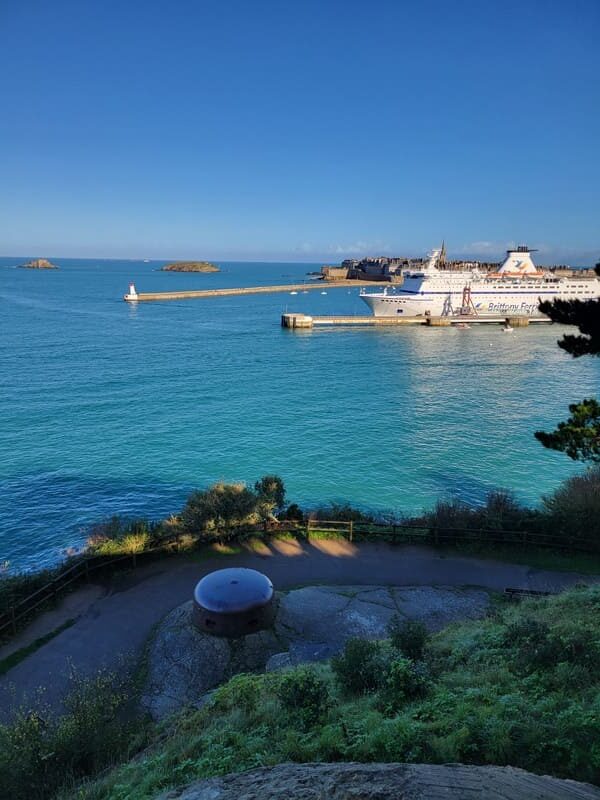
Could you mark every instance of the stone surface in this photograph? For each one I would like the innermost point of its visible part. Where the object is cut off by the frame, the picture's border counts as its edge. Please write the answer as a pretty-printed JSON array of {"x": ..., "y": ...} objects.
[
  {"x": 312, "y": 624},
  {"x": 184, "y": 663},
  {"x": 439, "y": 606},
  {"x": 384, "y": 782}
]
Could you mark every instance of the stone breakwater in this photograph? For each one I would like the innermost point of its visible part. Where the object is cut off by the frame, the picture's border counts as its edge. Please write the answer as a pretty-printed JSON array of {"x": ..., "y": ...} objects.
[{"x": 288, "y": 287}]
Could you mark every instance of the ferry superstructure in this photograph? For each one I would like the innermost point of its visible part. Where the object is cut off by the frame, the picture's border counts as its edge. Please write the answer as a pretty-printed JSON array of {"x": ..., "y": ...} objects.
[{"x": 516, "y": 288}]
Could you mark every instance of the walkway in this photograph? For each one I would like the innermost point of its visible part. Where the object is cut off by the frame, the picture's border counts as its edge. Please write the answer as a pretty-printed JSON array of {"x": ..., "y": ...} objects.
[{"x": 117, "y": 623}]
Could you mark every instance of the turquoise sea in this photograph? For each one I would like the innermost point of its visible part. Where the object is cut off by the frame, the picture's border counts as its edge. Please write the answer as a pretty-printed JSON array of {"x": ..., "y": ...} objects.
[{"x": 111, "y": 408}]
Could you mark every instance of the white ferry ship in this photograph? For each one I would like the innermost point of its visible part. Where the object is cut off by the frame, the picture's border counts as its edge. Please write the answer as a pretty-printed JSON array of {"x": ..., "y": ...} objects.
[{"x": 516, "y": 288}]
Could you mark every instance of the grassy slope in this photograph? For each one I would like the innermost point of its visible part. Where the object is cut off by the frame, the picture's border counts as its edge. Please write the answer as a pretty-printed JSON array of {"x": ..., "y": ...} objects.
[{"x": 490, "y": 700}]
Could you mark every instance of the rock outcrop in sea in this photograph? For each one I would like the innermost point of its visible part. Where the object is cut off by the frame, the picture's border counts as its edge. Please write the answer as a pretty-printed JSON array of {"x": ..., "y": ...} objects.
[
  {"x": 38, "y": 263},
  {"x": 190, "y": 266}
]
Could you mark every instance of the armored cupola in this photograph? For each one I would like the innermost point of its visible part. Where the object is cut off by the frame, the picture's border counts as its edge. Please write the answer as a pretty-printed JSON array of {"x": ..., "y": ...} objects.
[{"x": 234, "y": 602}]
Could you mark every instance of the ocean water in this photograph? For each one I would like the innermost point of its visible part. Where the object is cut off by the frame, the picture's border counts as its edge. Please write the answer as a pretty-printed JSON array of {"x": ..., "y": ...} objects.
[{"x": 106, "y": 407}]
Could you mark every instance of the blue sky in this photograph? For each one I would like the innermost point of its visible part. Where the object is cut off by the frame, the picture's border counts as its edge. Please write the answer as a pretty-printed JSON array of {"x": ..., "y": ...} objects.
[{"x": 308, "y": 131}]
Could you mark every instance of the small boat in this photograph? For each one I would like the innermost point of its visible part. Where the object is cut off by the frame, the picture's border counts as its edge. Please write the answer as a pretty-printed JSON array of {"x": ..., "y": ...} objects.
[
  {"x": 305, "y": 291},
  {"x": 293, "y": 292},
  {"x": 507, "y": 328},
  {"x": 323, "y": 292},
  {"x": 462, "y": 326}
]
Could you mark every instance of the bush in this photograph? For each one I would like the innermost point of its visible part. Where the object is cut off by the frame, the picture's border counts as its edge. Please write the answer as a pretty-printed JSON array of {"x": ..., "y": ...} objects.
[
  {"x": 293, "y": 512},
  {"x": 270, "y": 488},
  {"x": 501, "y": 512},
  {"x": 220, "y": 507},
  {"x": 409, "y": 636},
  {"x": 534, "y": 647},
  {"x": 573, "y": 510},
  {"x": 343, "y": 512},
  {"x": 360, "y": 667},
  {"x": 41, "y": 752},
  {"x": 241, "y": 692},
  {"x": 224, "y": 507},
  {"x": 404, "y": 681},
  {"x": 304, "y": 694}
]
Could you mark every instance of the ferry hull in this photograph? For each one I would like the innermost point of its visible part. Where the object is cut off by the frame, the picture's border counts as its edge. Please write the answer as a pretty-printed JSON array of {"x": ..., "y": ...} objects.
[{"x": 450, "y": 304}]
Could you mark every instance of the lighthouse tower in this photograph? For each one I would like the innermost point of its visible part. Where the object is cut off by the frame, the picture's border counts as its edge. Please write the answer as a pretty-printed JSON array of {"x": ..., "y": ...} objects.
[{"x": 132, "y": 295}]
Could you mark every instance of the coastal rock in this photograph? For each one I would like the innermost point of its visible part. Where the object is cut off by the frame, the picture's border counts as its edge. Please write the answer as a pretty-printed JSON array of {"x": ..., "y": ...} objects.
[
  {"x": 384, "y": 782},
  {"x": 190, "y": 266},
  {"x": 38, "y": 263},
  {"x": 184, "y": 663},
  {"x": 312, "y": 624}
]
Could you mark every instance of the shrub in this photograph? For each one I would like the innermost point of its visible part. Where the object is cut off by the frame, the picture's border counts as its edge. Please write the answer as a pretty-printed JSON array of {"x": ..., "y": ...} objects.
[
  {"x": 404, "y": 681},
  {"x": 534, "y": 647},
  {"x": 360, "y": 667},
  {"x": 221, "y": 506},
  {"x": 304, "y": 694},
  {"x": 343, "y": 512},
  {"x": 573, "y": 510},
  {"x": 293, "y": 512},
  {"x": 240, "y": 692},
  {"x": 41, "y": 752},
  {"x": 270, "y": 488},
  {"x": 409, "y": 636},
  {"x": 502, "y": 511}
]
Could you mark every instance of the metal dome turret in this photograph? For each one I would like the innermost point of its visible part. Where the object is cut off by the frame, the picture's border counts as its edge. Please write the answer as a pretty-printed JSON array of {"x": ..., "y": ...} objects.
[{"x": 234, "y": 602}]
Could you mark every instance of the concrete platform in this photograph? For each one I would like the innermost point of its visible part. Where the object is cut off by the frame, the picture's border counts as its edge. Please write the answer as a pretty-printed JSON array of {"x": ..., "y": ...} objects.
[{"x": 297, "y": 320}]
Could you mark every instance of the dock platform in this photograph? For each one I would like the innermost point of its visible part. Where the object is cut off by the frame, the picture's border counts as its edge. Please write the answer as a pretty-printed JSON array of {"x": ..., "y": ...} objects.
[
  {"x": 303, "y": 321},
  {"x": 143, "y": 297}
]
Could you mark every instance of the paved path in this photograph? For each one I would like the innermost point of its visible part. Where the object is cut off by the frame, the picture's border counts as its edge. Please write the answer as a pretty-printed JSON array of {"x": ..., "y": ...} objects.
[{"x": 118, "y": 623}]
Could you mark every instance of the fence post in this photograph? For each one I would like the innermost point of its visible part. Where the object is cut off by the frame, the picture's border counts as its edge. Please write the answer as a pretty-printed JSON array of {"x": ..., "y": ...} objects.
[{"x": 351, "y": 529}]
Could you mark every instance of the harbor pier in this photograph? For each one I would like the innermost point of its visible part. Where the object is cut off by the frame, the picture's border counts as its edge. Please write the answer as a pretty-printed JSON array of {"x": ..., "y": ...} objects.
[
  {"x": 304, "y": 321},
  {"x": 323, "y": 286}
]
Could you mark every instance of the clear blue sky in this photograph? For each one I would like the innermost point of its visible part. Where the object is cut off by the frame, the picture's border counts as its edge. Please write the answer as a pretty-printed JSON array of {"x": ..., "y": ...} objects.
[{"x": 302, "y": 131}]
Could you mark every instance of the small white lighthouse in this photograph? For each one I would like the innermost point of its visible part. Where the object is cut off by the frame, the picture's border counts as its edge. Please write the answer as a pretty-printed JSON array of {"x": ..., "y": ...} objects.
[{"x": 132, "y": 296}]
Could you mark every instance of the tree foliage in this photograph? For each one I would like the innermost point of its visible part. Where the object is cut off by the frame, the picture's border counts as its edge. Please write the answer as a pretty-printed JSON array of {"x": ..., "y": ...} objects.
[
  {"x": 270, "y": 488},
  {"x": 579, "y": 435},
  {"x": 585, "y": 314}
]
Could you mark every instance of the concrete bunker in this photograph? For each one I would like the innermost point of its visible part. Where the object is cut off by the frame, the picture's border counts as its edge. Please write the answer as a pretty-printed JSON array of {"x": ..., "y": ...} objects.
[{"x": 234, "y": 602}]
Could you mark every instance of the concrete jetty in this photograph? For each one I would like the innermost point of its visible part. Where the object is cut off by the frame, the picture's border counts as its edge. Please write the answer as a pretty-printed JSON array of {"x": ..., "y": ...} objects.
[
  {"x": 323, "y": 286},
  {"x": 297, "y": 320}
]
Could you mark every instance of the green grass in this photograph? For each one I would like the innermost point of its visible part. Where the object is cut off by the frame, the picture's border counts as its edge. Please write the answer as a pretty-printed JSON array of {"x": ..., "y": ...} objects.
[
  {"x": 15, "y": 658},
  {"x": 541, "y": 558},
  {"x": 520, "y": 688}
]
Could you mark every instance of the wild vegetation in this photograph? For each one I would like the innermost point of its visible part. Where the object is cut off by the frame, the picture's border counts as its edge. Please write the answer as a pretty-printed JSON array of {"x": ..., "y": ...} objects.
[
  {"x": 579, "y": 435},
  {"x": 42, "y": 752},
  {"x": 521, "y": 687}
]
